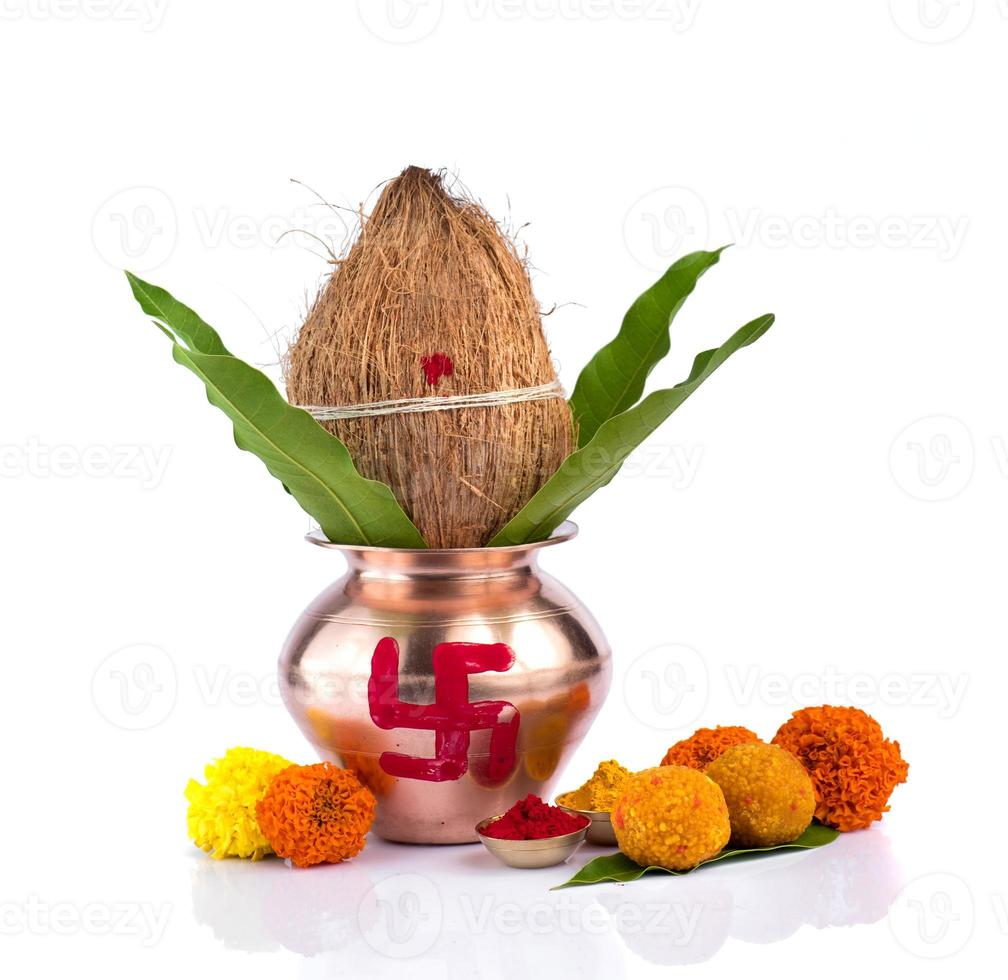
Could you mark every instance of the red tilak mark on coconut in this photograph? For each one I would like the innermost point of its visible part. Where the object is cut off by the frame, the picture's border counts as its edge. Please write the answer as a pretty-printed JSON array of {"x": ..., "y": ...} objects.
[{"x": 436, "y": 366}]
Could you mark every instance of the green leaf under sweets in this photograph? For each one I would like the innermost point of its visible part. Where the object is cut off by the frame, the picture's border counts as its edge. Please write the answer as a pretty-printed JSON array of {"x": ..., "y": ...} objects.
[
  {"x": 619, "y": 868},
  {"x": 593, "y": 466},
  {"x": 613, "y": 380},
  {"x": 313, "y": 465}
]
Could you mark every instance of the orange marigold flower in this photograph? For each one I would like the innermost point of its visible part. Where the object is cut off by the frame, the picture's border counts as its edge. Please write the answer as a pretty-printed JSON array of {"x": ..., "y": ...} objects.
[
  {"x": 313, "y": 814},
  {"x": 705, "y": 745},
  {"x": 854, "y": 767}
]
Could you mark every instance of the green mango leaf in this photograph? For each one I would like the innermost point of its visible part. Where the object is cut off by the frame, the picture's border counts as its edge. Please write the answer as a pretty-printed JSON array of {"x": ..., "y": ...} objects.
[
  {"x": 618, "y": 867},
  {"x": 196, "y": 334},
  {"x": 613, "y": 380},
  {"x": 594, "y": 465},
  {"x": 314, "y": 466}
]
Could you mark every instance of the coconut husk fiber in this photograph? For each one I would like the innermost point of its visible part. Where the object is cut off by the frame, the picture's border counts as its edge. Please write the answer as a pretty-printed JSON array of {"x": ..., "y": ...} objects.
[{"x": 431, "y": 277}]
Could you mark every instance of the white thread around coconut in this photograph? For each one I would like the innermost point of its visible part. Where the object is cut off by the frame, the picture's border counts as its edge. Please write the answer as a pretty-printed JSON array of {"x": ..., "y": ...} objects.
[{"x": 435, "y": 403}]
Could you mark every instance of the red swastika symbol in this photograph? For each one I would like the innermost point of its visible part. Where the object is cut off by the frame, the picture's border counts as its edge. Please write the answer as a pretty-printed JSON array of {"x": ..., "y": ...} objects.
[{"x": 452, "y": 717}]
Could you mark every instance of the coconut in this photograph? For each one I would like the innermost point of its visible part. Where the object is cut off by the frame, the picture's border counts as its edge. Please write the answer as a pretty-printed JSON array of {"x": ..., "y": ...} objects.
[{"x": 433, "y": 300}]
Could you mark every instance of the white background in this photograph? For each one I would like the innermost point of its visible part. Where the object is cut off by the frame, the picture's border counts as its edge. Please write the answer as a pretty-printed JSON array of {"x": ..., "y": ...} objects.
[{"x": 823, "y": 522}]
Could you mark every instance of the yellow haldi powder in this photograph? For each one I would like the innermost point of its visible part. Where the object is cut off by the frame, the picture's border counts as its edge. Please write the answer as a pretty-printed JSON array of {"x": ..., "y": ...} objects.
[{"x": 601, "y": 791}]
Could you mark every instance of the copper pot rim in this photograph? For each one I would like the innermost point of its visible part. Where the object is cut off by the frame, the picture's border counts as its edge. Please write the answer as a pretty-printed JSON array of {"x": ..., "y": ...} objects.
[{"x": 564, "y": 532}]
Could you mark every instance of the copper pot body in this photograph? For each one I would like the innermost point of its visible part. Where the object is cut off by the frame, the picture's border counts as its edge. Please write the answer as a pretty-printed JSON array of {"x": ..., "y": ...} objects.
[{"x": 543, "y": 702}]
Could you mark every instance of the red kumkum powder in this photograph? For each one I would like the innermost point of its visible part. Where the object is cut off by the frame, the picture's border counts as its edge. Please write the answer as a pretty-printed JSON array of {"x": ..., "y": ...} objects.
[{"x": 531, "y": 819}]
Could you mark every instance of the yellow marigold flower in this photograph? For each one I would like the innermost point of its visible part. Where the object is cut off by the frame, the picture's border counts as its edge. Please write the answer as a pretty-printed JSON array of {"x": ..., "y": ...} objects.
[{"x": 222, "y": 817}]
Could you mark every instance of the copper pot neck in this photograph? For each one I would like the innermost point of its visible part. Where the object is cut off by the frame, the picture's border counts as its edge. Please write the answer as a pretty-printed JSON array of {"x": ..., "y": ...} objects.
[{"x": 451, "y": 563}]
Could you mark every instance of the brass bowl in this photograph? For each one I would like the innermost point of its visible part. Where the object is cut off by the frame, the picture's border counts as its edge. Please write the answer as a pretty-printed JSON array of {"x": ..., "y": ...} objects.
[
  {"x": 531, "y": 853},
  {"x": 600, "y": 830}
]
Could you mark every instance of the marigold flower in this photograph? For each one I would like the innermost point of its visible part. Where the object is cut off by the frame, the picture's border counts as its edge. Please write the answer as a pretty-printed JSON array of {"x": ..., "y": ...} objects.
[
  {"x": 705, "y": 745},
  {"x": 221, "y": 817},
  {"x": 854, "y": 767},
  {"x": 316, "y": 814}
]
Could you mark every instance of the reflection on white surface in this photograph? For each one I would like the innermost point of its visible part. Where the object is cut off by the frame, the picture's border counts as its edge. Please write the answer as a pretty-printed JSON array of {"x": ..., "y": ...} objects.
[
  {"x": 264, "y": 906},
  {"x": 454, "y": 912},
  {"x": 762, "y": 900}
]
